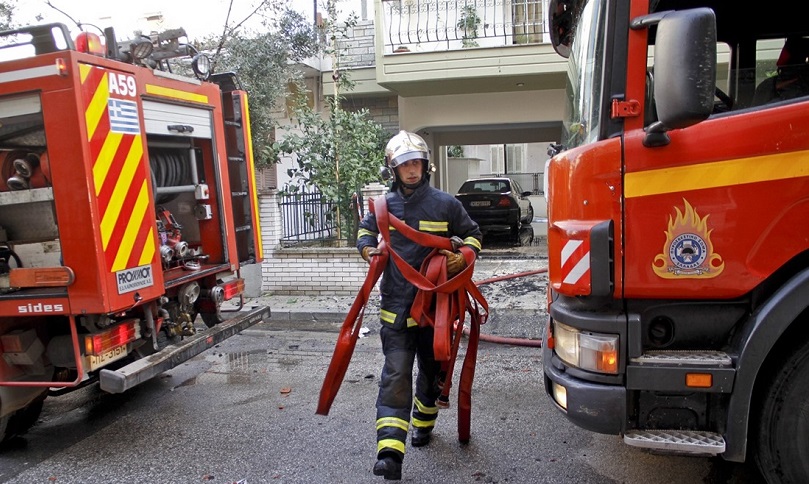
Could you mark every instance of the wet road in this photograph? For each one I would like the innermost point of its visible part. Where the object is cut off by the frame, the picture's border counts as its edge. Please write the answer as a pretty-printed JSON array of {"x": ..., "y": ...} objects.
[{"x": 245, "y": 412}]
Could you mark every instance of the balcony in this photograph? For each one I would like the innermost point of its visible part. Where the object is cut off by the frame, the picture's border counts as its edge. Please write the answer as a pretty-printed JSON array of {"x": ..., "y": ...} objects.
[
  {"x": 442, "y": 25},
  {"x": 440, "y": 47}
]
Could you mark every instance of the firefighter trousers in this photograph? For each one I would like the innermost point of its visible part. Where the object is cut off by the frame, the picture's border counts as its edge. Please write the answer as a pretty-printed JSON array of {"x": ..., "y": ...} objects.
[{"x": 396, "y": 403}]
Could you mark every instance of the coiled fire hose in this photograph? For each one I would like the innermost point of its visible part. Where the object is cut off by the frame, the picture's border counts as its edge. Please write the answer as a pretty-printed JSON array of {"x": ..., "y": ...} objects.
[{"x": 439, "y": 302}]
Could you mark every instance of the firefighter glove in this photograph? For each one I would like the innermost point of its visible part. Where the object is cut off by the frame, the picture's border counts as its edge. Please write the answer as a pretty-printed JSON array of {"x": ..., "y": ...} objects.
[
  {"x": 455, "y": 262},
  {"x": 368, "y": 252}
]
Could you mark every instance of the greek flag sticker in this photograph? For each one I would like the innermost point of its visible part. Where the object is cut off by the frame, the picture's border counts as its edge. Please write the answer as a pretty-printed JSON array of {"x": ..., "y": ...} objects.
[{"x": 123, "y": 116}]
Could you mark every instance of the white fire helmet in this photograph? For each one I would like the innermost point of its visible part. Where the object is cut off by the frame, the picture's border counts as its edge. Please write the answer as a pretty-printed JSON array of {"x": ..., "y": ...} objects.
[{"x": 405, "y": 146}]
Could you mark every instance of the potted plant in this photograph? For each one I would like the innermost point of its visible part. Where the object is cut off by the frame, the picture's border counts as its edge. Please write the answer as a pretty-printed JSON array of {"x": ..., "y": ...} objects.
[
  {"x": 455, "y": 151},
  {"x": 468, "y": 23}
]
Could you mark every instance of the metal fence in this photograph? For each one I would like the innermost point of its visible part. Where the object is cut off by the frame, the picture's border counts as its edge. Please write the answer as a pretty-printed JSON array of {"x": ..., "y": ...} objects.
[{"x": 307, "y": 217}]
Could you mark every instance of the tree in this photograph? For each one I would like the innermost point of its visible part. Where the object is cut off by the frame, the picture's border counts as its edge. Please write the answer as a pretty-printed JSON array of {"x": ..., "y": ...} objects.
[
  {"x": 6, "y": 13},
  {"x": 340, "y": 153},
  {"x": 265, "y": 64}
]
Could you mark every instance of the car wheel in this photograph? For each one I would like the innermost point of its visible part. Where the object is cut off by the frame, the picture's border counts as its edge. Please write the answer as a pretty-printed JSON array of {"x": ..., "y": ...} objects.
[
  {"x": 514, "y": 232},
  {"x": 782, "y": 440},
  {"x": 530, "y": 217}
]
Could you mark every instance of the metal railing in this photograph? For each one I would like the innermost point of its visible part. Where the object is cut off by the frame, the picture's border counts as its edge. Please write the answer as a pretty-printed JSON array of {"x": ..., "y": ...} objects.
[
  {"x": 307, "y": 217},
  {"x": 435, "y": 25}
]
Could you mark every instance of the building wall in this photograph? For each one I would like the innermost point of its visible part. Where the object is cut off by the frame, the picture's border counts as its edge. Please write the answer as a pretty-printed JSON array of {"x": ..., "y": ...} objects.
[
  {"x": 383, "y": 110},
  {"x": 481, "y": 109},
  {"x": 358, "y": 49}
]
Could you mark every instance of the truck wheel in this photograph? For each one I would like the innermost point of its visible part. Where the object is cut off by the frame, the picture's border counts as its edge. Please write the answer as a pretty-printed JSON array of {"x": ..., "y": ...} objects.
[
  {"x": 782, "y": 443},
  {"x": 20, "y": 421},
  {"x": 4, "y": 434},
  {"x": 212, "y": 319}
]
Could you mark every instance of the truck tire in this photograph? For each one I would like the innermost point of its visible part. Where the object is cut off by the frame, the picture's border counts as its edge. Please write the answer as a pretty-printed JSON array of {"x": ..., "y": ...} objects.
[
  {"x": 212, "y": 319},
  {"x": 20, "y": 421},
  {"x": 782, "y": 440}
]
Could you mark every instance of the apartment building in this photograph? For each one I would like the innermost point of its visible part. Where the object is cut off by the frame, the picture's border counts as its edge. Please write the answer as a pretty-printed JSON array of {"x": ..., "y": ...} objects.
[{"x": 471, "y": 73}]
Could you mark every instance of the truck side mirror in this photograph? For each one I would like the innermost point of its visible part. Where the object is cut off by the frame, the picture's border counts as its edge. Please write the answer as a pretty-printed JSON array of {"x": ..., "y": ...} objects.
[{"x": 684, "y": 69}]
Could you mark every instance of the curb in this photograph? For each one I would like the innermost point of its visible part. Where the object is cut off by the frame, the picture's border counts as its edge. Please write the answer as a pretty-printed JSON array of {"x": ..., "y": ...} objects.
[{"x": 504, "y": 322}]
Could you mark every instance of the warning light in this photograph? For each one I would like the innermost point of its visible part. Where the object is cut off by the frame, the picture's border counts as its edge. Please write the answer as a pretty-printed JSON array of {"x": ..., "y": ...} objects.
[
  {"x": 89, "y": 43},
  {"x": 61, "y": 67}
]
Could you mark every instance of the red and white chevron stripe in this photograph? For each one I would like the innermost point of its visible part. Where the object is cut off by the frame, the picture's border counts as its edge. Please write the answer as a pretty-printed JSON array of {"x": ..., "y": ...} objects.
[{"x": 575, "y": 262}]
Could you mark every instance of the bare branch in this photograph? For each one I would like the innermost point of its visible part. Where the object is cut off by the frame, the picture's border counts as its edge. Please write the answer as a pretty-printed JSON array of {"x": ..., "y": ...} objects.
[{"x": 228, "y": 30}]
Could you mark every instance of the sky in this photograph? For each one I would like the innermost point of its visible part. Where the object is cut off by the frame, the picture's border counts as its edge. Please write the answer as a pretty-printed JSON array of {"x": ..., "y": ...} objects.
[{"x": 198, "y": 17}]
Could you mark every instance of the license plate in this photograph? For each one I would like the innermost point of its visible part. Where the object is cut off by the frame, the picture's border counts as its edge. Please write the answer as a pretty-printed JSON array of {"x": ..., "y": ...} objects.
[
  {"x": 484, "y": 203},
  {"x": 97, "y": 361}
]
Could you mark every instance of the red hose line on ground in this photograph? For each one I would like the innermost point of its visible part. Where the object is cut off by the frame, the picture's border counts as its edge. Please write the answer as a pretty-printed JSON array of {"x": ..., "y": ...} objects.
[
  {"x": 510, "y": 276},
  {"x": 536, "y": 343}
]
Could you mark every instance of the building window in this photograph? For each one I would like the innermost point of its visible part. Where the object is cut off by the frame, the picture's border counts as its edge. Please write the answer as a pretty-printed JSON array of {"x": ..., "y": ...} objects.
[
  {"x": 527, "y": 21},
  {"x": 508, "y": 158}
]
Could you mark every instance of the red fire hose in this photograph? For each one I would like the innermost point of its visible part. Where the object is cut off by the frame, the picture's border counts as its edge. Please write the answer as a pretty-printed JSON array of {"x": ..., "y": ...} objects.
[{"x": 536, "y": 343}]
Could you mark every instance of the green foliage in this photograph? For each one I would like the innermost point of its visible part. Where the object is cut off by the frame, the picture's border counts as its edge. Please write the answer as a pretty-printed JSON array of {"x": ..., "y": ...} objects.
[
  {"x": 455, "y": 151},
  {"x": 468, "y": 22},
  {"x": 338, "y": 155},
  {"x": 265, "y": 63},
  {"x": 6, "y": 13}
]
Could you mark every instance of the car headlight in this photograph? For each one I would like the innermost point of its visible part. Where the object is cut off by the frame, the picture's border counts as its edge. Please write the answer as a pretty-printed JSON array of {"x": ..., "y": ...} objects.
[{"x": 589, "y": 351}]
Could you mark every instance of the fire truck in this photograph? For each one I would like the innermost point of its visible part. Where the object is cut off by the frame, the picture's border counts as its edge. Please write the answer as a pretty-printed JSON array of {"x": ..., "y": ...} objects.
[
  {"x": 128, "y": 208},
  {"x": 678, "y": 231}
]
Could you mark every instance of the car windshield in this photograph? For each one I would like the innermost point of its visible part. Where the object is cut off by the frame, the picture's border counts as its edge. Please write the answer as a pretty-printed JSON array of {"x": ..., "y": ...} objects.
[{"x": 485, "y": 186}]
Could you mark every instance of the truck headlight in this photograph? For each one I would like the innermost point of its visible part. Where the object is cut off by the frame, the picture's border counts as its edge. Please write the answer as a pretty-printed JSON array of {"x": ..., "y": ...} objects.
[{"x": 588, "y": 351}]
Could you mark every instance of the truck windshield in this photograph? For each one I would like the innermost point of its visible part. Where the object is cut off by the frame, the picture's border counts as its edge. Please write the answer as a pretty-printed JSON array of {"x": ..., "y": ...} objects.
[{"x": 585, "y": 76}]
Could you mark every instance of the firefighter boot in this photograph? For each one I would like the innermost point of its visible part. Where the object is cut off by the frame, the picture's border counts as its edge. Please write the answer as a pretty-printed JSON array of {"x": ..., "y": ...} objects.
[
  {"x": 421, "y": 436},
  {"x": 389, "y": 467}
]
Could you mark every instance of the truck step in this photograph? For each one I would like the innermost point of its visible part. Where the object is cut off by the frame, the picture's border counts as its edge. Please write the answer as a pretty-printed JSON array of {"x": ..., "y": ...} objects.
[
  {"x": 693, "y": 442},
  {"x": 122, "y": 379},
  {"x": 717, "y": 359}
]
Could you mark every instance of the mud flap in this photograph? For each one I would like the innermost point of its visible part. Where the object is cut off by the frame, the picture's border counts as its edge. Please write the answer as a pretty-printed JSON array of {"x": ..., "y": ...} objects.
[{"x": 122, "y": 379}]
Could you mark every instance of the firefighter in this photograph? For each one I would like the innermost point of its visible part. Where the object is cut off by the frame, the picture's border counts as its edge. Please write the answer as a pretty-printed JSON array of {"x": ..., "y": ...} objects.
[
  {"x": 427, "y": 209},
  {"x": 792, "y": 77}
]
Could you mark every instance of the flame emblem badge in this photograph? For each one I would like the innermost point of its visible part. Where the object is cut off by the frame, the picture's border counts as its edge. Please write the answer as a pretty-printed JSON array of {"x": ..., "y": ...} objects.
[{"x": 688, "y": 251}]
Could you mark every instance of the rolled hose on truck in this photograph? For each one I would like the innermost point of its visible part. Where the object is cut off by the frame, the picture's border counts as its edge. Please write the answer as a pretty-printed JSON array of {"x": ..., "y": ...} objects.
[{"x": 536, "y": 343}]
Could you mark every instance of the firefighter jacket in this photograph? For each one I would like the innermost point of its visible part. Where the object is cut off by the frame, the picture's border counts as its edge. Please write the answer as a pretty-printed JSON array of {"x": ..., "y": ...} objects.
[{"x": 427, "y": 209}]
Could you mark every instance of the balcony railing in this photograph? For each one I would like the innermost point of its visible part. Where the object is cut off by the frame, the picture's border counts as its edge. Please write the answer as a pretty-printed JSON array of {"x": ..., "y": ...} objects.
[{"x": 437, "y": 25}]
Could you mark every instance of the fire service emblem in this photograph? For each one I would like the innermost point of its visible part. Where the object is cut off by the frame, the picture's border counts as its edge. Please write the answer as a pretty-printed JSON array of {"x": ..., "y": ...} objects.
[{"x": 688, "y": 251}]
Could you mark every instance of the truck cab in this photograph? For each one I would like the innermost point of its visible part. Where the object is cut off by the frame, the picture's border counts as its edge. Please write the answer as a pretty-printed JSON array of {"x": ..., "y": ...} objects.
[{"x": 677, "y": 201}]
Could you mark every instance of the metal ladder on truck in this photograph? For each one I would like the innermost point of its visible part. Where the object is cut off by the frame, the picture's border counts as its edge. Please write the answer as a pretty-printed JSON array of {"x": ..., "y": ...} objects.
[{"x": 240, "y": 168}]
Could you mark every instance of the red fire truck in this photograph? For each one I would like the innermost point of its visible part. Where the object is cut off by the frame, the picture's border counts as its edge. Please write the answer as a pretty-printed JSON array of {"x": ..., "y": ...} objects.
[
  {"x": 679, "y": 228},
  {"x": 127, "y": 209}
]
